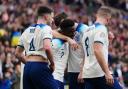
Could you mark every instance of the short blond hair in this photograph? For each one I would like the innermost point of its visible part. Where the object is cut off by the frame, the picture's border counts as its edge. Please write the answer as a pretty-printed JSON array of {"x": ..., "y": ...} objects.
[{"x": 104, "y": 12}]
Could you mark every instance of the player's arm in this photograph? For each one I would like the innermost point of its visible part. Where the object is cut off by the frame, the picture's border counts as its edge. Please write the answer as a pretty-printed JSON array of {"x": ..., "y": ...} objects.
[
  {"x": 83, "y": 52},
  {"x": 80, "y": 79},
  {"x": 47, "y": 37},
  {"x": 98, "y": 48},
  {"x": 72, "y": 43},
  {"x": 19, "y": 50},
  {"x": 82, "y": 63},
  {"x": 19, "y": 54},
  {"x": 48, "y": 50},
  {"x": 98, "y": 51}
]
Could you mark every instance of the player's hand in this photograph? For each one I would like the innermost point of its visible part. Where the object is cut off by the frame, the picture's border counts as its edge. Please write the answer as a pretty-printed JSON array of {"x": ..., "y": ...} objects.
[
  {"x": 52, "y": 67},
  {"x": 109, "y": 79},
  {"x": 73, "y": 44},
  {"x": 80, "y": 79}
]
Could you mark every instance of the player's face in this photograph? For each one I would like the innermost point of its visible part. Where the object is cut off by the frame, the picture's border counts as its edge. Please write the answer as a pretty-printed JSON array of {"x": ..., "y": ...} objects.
[{"x": 50, "y": 18}]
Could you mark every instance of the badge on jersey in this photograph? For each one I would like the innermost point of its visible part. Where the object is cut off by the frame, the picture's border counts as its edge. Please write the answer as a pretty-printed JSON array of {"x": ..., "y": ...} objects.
[{"x": 102, "y": 34}]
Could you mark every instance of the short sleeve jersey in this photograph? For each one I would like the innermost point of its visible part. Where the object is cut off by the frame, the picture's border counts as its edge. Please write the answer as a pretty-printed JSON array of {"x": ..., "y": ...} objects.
[
  {"x": 76, "y": 56},
  {"x": 60, "y": 54},
  {"x": 32, "y": 39},
  {"x": 97, "y": 33}
]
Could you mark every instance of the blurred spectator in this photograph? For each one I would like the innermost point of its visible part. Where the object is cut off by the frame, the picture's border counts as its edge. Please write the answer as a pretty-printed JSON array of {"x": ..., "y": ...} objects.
[
  {"x": 125, "y": 74},
  {"x": 16, "y": 83}
]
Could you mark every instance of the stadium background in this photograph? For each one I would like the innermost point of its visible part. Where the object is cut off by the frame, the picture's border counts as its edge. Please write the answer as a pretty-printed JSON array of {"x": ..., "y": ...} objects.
[{"x": 16, "y": 15}]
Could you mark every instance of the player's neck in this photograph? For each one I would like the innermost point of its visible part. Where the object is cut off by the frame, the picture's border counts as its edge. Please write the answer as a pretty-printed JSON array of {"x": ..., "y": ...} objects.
[
  {"x": 101, "y": 21},
  {"x": 41, "y": 21}
]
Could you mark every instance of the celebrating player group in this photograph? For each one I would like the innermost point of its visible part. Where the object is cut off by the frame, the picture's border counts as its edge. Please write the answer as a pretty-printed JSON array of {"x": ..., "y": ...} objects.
[{"x": 46, "y": 52}]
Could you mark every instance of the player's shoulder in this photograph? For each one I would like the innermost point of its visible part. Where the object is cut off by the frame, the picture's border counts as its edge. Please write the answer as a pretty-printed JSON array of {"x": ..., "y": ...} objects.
[
  {"x": 41, "y": 26},
  {"x": 38, "y": 25},
  {"x": 100, "y": 27},
  {"x": 27, "y": 30},
  {"x": 57, "y": 42},
  {"x": 81, "y": 27}
]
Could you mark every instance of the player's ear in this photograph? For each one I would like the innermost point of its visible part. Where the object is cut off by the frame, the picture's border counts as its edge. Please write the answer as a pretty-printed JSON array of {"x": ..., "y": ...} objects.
[
  {"x": 45, "y": 17},
  {"x": 108, "y": 20}
]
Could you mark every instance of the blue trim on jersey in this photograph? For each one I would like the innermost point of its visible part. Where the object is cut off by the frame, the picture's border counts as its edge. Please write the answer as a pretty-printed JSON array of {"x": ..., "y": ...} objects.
[
  {"x": 33, "y": 25},
  {"x": 97, "y": 24},
  {"x": 41, "y": 25},
  {"x": 81, "y": 27},
  {"x": 101, "y": 25},
  {"x": 57, "y": 42}
]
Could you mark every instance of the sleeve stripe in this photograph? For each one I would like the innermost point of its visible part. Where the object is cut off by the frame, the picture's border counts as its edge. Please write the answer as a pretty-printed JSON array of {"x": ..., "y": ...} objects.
[
  {"x": 20, "y": 46},
  {"x": 47, "y": 38},
  {"x": 98, "y": 42}
]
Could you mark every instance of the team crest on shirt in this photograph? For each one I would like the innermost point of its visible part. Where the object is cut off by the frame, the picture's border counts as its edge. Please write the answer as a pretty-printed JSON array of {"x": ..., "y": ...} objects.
[{"x": 102, "y": 34}]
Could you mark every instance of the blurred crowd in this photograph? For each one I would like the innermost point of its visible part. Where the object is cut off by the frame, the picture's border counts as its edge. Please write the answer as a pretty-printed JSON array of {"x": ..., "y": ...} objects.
[{"x": 16, "y": 15}]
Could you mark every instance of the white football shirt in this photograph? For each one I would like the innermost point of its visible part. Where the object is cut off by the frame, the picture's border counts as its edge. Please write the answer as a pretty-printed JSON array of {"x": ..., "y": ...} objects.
[
  {"x": 32, "y": 39},
  {"x": 76, "y": 56},
  {"x": 97, "y": 33},
  {"x": 60, "y": 54}
]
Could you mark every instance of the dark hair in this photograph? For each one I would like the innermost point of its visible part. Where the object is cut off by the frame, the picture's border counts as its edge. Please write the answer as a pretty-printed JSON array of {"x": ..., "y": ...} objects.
[
  {"x": 59, "y": 18},
  {"x": 67, "y": 27},
  {"x": 67, "y": 23},
  {"x": 44, "y": 10}
]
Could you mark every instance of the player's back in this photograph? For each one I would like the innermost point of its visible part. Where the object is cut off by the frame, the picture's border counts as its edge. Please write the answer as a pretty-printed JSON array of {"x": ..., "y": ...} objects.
[
  {"x": 60, "y": 54},
  {"x": 32, "y": 39},
  {"x": 97, "y": 33}
]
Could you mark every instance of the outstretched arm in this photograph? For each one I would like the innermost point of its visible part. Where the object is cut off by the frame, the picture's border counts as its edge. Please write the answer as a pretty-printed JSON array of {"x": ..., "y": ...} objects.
[
  {"x": 80, "y": 78},
  {"x": 72, "y": 43}
]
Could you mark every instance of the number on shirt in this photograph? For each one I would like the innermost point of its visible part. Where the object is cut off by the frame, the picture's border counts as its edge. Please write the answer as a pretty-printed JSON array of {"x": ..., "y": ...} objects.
[
  {"x": 32, "y": 47},
  {"x": 62, "y": 53},
  {"x": 87, "y": 45}
]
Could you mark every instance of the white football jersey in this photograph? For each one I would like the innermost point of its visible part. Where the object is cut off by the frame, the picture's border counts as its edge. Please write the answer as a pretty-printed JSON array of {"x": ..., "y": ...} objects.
[
  {"x": 32, "y": 39},
  {"x": 97, "y": 33},
  {"x": 60, "y": 53},
  {"x": 76, "y": 56}
]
